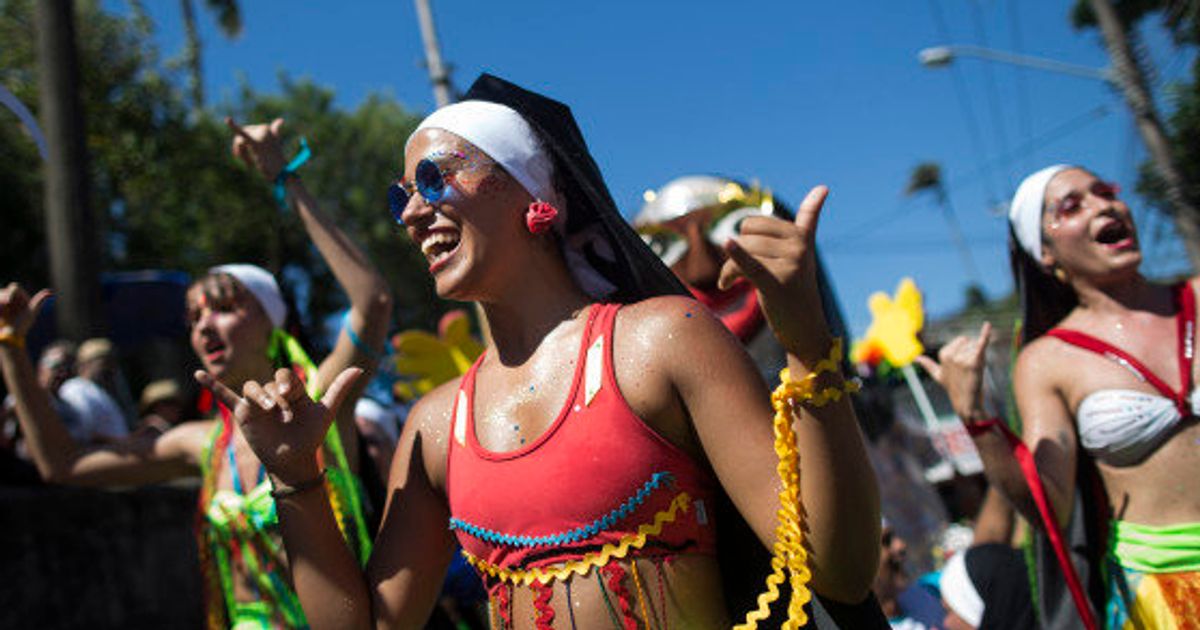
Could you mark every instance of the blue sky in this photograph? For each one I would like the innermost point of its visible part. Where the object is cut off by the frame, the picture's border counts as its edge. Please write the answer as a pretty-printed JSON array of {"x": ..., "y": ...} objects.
[{"x": 789, "y": 93}]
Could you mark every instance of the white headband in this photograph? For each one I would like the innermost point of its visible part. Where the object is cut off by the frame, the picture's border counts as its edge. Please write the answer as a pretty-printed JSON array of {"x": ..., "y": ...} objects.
[
  {"x": 959, "y": 591},
  {"x": 1025, "y": 214},
  {"x": 504, "y": 135},
  {"x": 262, "y": 285}
]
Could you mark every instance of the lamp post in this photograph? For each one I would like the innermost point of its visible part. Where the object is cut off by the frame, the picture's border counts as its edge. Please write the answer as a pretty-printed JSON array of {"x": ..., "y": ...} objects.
[
  {"x": 941, "y": 56},
  {"x": 1128, "y": 78}
]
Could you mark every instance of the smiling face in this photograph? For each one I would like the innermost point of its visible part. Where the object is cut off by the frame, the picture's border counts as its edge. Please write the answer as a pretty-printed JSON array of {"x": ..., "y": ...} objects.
[
  {"x": 473, "y": 237},
  {"x": 229, "y": 330},
  {"x": 1089, "y": 231}
]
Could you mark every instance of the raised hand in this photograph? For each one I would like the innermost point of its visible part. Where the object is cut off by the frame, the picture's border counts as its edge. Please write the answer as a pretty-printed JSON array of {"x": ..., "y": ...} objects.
[
  {"x": 259, "y": 146},
  {"x": 778, "y": 257},
  {"x": 18, "y": 311},
  {"x": 959, "y": 370},
  {"x": 282, "y": 424}
]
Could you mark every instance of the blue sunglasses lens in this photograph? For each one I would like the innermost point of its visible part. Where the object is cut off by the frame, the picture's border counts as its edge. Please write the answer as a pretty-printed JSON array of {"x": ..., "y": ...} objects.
[
  {"x": 397, "y": 201},
  {"x": 429, "y": 181}
]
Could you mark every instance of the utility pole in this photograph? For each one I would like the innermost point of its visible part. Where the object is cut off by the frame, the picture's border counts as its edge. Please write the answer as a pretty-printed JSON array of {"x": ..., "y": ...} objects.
[
  {"x": 70, "y": 228},
  {"x": 1132, "y": 81},
  {"x": 439, "y": 76}
]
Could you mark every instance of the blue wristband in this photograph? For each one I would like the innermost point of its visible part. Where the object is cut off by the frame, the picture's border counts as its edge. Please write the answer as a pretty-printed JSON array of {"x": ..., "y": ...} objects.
[
  {"x": 358, "y": 342},
  {"x": 289, "y": 172}
]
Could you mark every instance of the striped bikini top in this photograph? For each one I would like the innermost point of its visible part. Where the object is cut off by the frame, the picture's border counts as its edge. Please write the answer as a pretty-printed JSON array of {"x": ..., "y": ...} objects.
[{"x": 597, "y": 485}]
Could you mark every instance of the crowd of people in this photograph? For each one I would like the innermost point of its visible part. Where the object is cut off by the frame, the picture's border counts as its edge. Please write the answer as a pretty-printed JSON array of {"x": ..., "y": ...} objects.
[{"x": 615, "y": 456}]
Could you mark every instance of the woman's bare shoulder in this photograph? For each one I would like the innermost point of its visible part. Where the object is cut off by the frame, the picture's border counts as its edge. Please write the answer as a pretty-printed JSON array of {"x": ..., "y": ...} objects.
[{"x": 672, "y": 318}]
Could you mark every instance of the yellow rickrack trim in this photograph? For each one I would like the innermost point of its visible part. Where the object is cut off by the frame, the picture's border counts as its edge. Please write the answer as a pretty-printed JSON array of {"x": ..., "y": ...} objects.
[
  {"x": 620, "y": 549},
  {"x": 789, "y": 552},
  {"x": 805, "y": 390},
  {"x": 833, "y": 362}
]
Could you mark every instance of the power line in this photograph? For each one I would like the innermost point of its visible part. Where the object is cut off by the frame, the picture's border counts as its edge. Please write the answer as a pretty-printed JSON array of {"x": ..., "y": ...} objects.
[
  {"x": 1024, "y": 109},
  {"x": 993, "y": 89},
  {"x": 964, "y": 103},
  {"x": 1054, "y": 134}
]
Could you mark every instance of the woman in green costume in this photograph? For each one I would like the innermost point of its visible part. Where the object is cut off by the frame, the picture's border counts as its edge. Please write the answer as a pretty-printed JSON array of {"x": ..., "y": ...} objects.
[{"x": 235, "y": 313}]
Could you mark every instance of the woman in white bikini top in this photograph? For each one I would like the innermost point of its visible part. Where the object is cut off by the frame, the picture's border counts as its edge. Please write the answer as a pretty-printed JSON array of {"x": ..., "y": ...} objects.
[{"x": 1108, "y": 364}]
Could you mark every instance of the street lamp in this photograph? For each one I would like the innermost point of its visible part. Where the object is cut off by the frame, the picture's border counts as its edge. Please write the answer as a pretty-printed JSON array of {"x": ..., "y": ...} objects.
[{"x": 941, "y": 56}]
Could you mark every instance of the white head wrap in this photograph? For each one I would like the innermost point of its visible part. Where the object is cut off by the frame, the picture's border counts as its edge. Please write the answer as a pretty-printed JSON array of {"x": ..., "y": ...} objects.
[
  {"x": 959, "y": 591},
  {"x": 262, "y": 285},
  {"x": 505, "y": 136},
  {"x": 1025, "y": 215}
]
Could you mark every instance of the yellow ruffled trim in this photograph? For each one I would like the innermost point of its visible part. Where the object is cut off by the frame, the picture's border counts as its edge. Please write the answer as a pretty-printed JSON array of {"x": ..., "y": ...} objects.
[
  {"x": 789, "y": 552},
  {"x": 805, "y": 389},
  {"x": 617, "y": 550}
]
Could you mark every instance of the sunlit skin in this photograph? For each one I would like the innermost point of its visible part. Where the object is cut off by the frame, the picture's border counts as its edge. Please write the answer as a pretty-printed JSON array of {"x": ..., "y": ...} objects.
[
  {"x": 1073, "y": 239},
  {"x": 1094, "y": 248},
  {"x": 230, "y": 338}
]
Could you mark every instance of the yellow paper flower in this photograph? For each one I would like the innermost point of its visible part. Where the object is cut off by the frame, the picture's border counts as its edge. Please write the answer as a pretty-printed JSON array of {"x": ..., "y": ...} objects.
[
  {"x": 430, "y": 360},
  {"x": 894, "y": 327}
]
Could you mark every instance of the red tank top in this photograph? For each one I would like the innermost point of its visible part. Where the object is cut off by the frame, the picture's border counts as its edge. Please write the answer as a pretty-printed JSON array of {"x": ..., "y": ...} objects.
[{"x": 598, "y": 485}]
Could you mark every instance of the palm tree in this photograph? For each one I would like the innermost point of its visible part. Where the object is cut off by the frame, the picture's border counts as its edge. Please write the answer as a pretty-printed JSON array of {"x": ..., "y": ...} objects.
[
  {"x": 927, "y": 177},
  {"x": 229, "y": 18}
]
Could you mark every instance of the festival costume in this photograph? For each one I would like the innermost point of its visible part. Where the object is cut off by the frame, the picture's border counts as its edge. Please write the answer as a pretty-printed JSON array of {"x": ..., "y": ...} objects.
[
  {"x": 524, "y": 523},
  {"x": 1153, "y": 578},
  {"x": 241, "y": 524}
]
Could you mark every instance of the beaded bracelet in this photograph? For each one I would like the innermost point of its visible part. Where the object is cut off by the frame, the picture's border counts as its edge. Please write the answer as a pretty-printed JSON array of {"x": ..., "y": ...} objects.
[{"x": 282, "y": 490}]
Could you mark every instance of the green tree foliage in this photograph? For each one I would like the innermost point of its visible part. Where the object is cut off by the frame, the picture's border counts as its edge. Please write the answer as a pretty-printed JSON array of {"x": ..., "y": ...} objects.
[
  {"x": 169, "y": 195},
  {"x": 1182, "y": 19}
]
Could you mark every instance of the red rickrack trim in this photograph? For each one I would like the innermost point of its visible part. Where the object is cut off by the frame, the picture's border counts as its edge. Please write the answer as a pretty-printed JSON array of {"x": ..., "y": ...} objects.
[
  {"x": 504, "y": 605},
  {"x": 544, "y": 619},
  {"x": 1045, "y": 510},
  {"x": 616, "y": 577}
]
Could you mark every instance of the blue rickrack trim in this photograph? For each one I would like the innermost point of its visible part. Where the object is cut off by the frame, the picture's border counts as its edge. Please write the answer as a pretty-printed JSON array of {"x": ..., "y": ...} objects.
[{"x": 657, "y": 480}]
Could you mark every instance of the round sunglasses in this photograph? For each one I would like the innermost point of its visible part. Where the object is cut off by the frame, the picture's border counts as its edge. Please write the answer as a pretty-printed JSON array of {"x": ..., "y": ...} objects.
[{"x": 429, "y": 180}]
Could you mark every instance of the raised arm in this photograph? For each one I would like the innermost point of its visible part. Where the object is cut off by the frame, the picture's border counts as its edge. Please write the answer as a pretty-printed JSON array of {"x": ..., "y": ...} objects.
[
  {"x": 1047, "y": 427},
  {"x": 138, "y": 460},
  {"x": 413, "y": 548},
  {"x": 361, "y": 340},
  {"x": 840, "y": 498}
]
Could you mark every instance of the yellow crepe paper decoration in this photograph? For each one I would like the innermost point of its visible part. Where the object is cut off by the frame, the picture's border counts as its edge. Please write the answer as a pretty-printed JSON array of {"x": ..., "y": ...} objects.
[
  {"x": 429, "y": 360},
  {"x": 894, "y": 327}
]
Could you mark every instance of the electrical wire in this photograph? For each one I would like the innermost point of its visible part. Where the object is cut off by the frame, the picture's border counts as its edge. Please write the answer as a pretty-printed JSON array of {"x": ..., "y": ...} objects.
[
  {"x": 993, "y": 92},
  {"x": 968, "y": 111}
]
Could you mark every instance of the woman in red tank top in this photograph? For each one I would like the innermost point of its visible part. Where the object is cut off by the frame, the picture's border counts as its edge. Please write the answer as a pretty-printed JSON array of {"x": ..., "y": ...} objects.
[{"x": 578, "y": 460}]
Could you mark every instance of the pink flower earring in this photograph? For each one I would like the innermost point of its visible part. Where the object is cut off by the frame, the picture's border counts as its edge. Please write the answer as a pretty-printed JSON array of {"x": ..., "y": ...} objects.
[{"x": 540, "y": 217}]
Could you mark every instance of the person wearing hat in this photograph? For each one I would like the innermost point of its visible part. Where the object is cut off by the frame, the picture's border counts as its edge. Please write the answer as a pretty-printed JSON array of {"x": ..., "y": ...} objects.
[
  {"x": 986, "y": 587},
  {"x": 578, "y": 459},
  {"x": 161, "y": 405},
  {"x": 236, "y": 314},
  {"x": 1106, "y": 378},
  {"x": 88, "y": 395}
]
